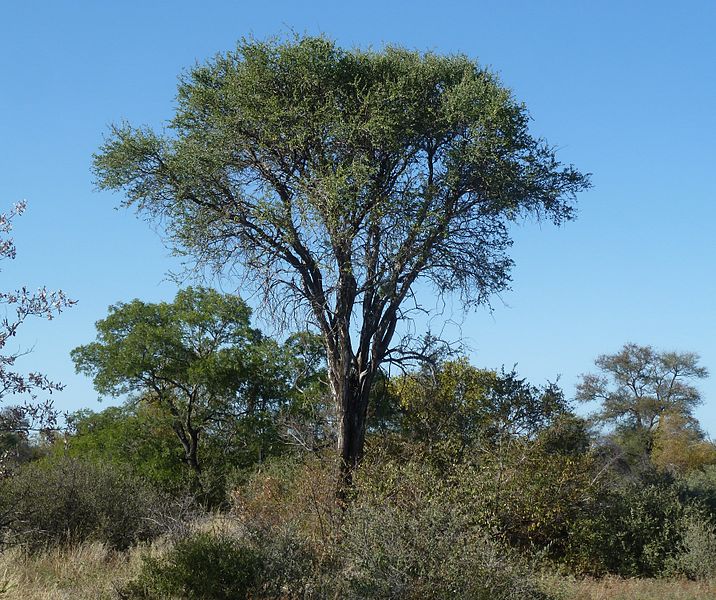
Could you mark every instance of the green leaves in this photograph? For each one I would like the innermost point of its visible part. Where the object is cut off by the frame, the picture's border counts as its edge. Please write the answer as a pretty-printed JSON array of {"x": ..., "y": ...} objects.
[
  {"x": 336, "y": 179},
  {"x": 459, "y": 406},
  {"x": 199, "y": 340},
  {"x": 196, "y": 361},
  {"x": 638, "y": 385},
  {"x": 300, "y": 147}
]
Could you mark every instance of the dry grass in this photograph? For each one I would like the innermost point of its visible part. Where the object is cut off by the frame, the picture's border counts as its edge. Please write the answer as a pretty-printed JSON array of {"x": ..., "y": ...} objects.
[
  {"x": 91, "y": 572},
  {"x": 614, "y": 588},
  {"x": 86, "y": 572}
]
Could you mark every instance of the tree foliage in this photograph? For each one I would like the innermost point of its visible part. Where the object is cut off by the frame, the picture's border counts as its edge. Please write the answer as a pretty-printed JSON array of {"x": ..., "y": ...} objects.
[
  {"x": 337, "y": 179},
  {"x": 21, "y": 304},
  {"x": 458, "y": 406},
  {"x": 196, "y": 359},
  {"x": 638, "y": 386},
  {"x": 680, "y": 445}
]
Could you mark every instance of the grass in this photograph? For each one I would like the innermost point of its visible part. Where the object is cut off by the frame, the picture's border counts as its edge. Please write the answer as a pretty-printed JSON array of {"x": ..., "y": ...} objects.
[
  {"x": 614, "y": 588},
  {"x": 91, "y": 572},
  {"x": 84, "y": 572}
]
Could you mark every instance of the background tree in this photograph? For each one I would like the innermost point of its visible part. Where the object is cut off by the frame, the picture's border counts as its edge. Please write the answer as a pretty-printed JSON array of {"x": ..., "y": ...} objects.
[
  {"x": 136, "y": 437},
  {"x": 456, "y": 407},
  {"x": 337, "y": 180},
  {"x": 680, "y": 445},
  {"x": 638, "y": 386},
  {"x": 196, "y": 359}
]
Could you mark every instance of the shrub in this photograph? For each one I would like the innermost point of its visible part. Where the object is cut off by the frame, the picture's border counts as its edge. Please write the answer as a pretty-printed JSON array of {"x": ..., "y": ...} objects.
[
  {"x": 631, "y": 529},
  {"x": 404, "y": 537},
  {"x": 67, "y": 501},
  {"x": 697, "y": 552},
  {"x": 295, "y": 492},
  {"x": 200, "y": 567},
  {"x": 295, "y": 565},
  {"x": 701, "y": 485},
  {"x": 289, "y": 514}
]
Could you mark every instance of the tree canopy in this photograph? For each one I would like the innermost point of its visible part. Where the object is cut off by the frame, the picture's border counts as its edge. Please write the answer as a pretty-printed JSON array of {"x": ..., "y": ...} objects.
[
  {"x": 460, "y": 406},
  {"x": 335, "y": 180},
  {"x": 639, "y": 386},
  {"x": 197, "y": 359}
]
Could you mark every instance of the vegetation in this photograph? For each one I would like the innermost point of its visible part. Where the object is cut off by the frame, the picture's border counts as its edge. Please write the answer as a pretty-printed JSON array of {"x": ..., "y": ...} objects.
[
  {"x": 641, "y": 389},
  {"x": 20, "y": 305},
  {"x": 65, "y": 502},
  {"x": 338, "y": 180},
  {"x": 473, "y": 479}
]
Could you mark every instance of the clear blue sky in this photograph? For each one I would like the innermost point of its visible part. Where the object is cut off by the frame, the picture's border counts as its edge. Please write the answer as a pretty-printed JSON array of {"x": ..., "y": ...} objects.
[{"x": 626, "y": 90}]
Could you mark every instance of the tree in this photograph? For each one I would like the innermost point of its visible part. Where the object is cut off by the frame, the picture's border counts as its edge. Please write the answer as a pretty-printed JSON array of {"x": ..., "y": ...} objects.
[
  {"x": 139, "y": 438},
  {"x": 197, "y": 359},
  {"x": 681, "y": 446},
  {"x": 335, "y": 181},
  {"x": 32, "y": 414},
  {"x": 638, "y": 386},
  {"x": 458, "y": 406}
]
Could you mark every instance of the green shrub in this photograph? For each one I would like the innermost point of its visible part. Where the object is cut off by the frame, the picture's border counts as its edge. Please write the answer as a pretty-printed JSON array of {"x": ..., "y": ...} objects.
[
  {"x": 696, "y": 558},
  {"x": 404, "y": 537},
  {"x": 131, "y": 437},
  {"x": 701, "y": 485},
  {"x": 200, "y": 567},
  {"x": 631, "y": 529},
  {"x": 67, "y": 501}
]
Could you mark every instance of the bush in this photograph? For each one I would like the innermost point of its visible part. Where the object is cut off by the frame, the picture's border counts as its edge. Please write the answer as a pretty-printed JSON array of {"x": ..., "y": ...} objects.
[
  {"x": 630, "y": 529},
  {"x": 67, "y": 501},
  {"x": 200, "y": 567},
  {"x": 701, "y": 485},
  {"x": 289, "y": 513},
  {"x": 294, "y": 565},
  {"x": 697, "y": 556},
  {"x": 404, "y": 537}
]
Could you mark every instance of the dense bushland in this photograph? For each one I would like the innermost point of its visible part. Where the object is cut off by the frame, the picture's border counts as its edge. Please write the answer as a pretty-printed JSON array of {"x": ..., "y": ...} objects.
[
  {"x": 474, "y": 481},
  {"x": 64, "y": 501}
]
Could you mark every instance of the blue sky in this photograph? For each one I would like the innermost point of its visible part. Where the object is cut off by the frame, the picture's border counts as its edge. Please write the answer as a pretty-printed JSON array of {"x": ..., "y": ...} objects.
[{"x": 625, "y": 90}]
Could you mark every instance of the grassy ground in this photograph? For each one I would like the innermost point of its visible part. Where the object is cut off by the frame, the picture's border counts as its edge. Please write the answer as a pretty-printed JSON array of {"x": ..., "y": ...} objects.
[
  {"x": 86, "y": 572},
  {"x": 613, "y": 588},
  {"x": 90, "y": 572}
]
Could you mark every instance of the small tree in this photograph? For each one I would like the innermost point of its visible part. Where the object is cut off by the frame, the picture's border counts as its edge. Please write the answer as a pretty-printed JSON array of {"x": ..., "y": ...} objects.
[
  {"x": 20, "y": 305},
  {"x": 197, "y": 359},
  {"x": 337, "y": 180},
  {"x": 638, "y": 386},
  {"x": 681, "y": 446}
]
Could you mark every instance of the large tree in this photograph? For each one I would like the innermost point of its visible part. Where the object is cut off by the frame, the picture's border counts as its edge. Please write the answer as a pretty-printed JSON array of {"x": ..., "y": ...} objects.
[{"x": 336, "y": 180}]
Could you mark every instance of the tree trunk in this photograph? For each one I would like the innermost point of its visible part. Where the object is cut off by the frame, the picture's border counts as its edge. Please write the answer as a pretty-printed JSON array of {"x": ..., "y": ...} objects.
[
  {"x": 351, "y": 396},
  {"x": 189, "y": 439}
]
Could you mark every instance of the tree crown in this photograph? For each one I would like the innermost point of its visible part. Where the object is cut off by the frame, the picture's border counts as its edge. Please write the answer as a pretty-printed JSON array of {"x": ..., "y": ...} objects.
[
  {"x": 337, "y": 178},
  {"x": 638, "y": 385}
]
